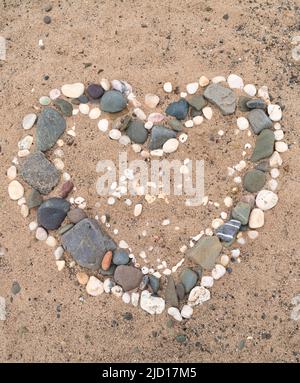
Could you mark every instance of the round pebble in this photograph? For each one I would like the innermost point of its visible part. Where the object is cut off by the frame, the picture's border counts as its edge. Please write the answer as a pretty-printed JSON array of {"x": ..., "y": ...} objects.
[
  {"x": 73, "y": 90},
  {"x": 11, "y": 172},
  {"x": 197, "y": 120},
  {"x": 151, "y": 100},
  {"x": 28, "y": 121},
  {"x": 257, "y": 218},
  {"x": 250, "y": 89},
  {"x": 203, "y": 81},
  {"x": 207, "y": 112},
  {"x": 51, "y": 241},
  {"x": 218, "y": 272},
  {"x": 242, "y": 123},
  {"x": 115, "y": 134},
  {"x": 94, "y": 286},
  {"x": 192, "y": 87},
  {"x": 170, "y": 145},
  {"x": 103, "y": 125},
  {"x": 278, "y": 135},
  {"x": 168, "y": 87},
  {"x": 186, "y": 312},
  {"x": 275, "y": 112},
  {"x": 33, "y": 226},
  {"x": 41, "y": 234},
  {"x": 175, "y": 313},
  {"x": 281, "y": 146},
  {"x": 84, "y": 108},
  {"x": 207, "y": 281},
  {"x": 45, "y": 100},
  {"x": 15, "y": 190},
  {"x": 24, "y": 211},
  {"x": 82, "y": 278},
  {"x": 266, "y": 199},
  {"x": 235, "y": 82},
  {"x": 54, "y": 94},
  {"x": 94, "y": 113}
]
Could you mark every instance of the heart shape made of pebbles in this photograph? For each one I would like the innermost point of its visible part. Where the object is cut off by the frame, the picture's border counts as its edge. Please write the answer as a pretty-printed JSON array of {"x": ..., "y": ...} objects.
[{"x": 102, "y": 264}]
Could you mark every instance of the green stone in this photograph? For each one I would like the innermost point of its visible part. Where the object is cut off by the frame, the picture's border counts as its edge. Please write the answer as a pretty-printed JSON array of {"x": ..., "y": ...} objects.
[
  {"x": 64, "y": 106},
  {"x": 198, "y": 102},
  {"x": 189, "y": 279},
  {"x": 181, "y": 338},
  {"x": 34, "y": 199},
  {"x": 113, "y": 101},
  {"x": 241, "y": 212},
  {"x": 254, "y": 180},
  {"x": 175, "y": 125},
  {"x": 264, "y": 145},
  {"x": 170, "y": 292},
  {"x": 205, "y": 252}
]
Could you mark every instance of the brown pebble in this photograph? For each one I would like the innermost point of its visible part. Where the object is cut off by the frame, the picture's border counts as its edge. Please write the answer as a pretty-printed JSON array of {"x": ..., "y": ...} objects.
[
  {"x": 82, "y": 278},
  {"x": 76, "y": 215},
  {"x": 106, "y": 261},
  {"x": 66, "y": 188}
]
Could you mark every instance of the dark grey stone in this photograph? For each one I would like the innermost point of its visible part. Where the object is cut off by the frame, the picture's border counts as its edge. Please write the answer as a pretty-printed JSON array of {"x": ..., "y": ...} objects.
[
  {"x": 154, "y": 283},
  {"x": 136, "y": 131},
  {"x": 52, "y": 212},
  {"x": 87, "y": 243},
  {"x": 178, "y": 109},
  {"x": 64, "y": 106},
  {"x": 254, "y": 181},
  {"x": 40, "y": 173},
  {"x": 159, "y": 135},
  {"x": 198, "y": 102},
  {"x": 113, "y": 101},
  {"x": 242, "y": 103},
  {"x": 223, "y": 98},
  {"x": 95, "y": 91},
  {"x": 259, "y": 120},
  {"x": 256, "y": 103},
  {"x": 229, "y": 230},
  {"x": 180, "y": 290},
  {"x": 50, "y": 126},
  {"x": 76, "y": 215}
]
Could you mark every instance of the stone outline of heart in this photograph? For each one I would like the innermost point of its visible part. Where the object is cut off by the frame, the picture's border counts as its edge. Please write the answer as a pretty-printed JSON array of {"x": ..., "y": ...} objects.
[{"x": 202, "y": 294}]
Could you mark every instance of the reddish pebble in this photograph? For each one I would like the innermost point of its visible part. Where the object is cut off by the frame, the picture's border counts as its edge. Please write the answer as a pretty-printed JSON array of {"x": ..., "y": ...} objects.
[
  {"x": 106, "y": 261},
  {"x": 66, "y": 188}
]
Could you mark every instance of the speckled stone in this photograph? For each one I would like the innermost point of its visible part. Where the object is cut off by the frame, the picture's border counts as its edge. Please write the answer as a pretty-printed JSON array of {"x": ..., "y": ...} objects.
[
  {"x": 223, "y": 98},
  {"x": 76, "y": 215},
  {"x": 50, "y": 126}
]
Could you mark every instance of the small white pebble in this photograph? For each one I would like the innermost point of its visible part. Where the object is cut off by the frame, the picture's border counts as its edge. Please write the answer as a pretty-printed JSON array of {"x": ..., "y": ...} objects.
[
  {"x": 33, "y": 226},
  {"x": 103, "y": 125},
  {"x": 94, "y": 113},
  {"x": 24, "y": 211},
  {"x": 111, "y": 201},
  {"x": 192, "y": 87},
  {"x": 115, "y": 134},
  {"x": 207, "y": 112},
  {"x": 197, "y": 120},
  {"x": 41, "y": 234},
  {"x": 51, "y": 241},
  {"x": 58, "y": 253},
  {"x": 242, "y": 123},
  {"x": 207, "y": 281},
  {"x": 168, "y": 87},
  {"x": 123, "y": 244},
  {"x": 84, "y": 108},
  {"x": 281, "y": 146}
]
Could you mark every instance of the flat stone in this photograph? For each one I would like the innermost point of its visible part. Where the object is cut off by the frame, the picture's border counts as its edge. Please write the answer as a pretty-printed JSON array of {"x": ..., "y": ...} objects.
[
  {"x": 254, "y": 181},
  {"x": 73, "y": 90},
  {"x": 180, "y": 291},
  {"x": 178, "y": 109},
  {"x": 229, "y": 230},
  {"x": 257, "y": 103},
  {"x": 223, "y": 98},
  {"x": 159, "y": 135},
  {"x": 76, "y": 215},
  {"x": 50, "y": 126},
  {"x": 259, "y": 120},
  {"x": 64, "y": 106},
  {"x": 52, "y": 212},
  {"x": 113, "y": 101},
  {"x": 189, "y": 279},
  {"x": 264, "y": 146},
  {"x": 242, "y": 103},
  {"x": 87, "y": 243},
  {"x": 34, "y": 199},
  {"x": 241, "y": 212},
  {"x": 170, "y": 292},
  {"x": 120, "y": 257},
  {"x": 95, "y": 91},
  {"x": 198, "y": 102},
  {"x": 128, "y": 277},
  {"x": 40, "y": 173},
  {"x": 175, "y": 125},
  {"x": 154, "y": 283},
  {"x": 136, "y": 131},
  {"x": 205, "y": 252}
]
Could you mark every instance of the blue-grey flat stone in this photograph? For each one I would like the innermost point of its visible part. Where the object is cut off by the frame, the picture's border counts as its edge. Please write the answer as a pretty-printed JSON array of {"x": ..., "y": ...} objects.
[
  {"x": 64, "y": 106},
  {"x": 259, "y": 120},
  {"x": 50, "y": 126},
  {"x": 264, "y": 145},
  {"x": 178, "y": 109},
  {"x": 223, "y": 98},
  {"x": 197, "y": 101},
  {"x": 189, "y": 279},
  {"x": 112, "y": 102},
  {"x": 229, "y": 230},
  {"x": 159, "y": 135},
  {"x": 52, "y": 212},
  {"x": 154, "y": 283},
  {"x": 87, "y": 243},
  {"x": 256, "y": 103},
  {"x": 40, "y": 173},
  {"x": 136, "y": 131},
  {"x": 120, "y": 257}
]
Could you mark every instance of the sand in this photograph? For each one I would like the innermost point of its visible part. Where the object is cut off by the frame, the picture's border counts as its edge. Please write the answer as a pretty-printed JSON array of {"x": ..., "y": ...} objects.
[{"x": 148, "y": 43}]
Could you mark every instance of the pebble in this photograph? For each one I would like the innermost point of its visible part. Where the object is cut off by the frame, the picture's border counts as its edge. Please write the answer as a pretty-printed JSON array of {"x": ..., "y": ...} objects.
[
  {"x": 275, "y": 112},
  {"x": 189, "y": 124},
  {"x": 266, "y": 200},
  {"x": 259, "y": 120},
  {"x": 47, "y": 19},
  {"x": 171, "y": 145},
  {"x": 51, "y": 241},
  {"x": 205, "y": 252},
  {"x": 274, "y": 173},
  {"x": 278, "y": 135},
  {"x": 250, "y": 89},
  {"x": 58, "y": 163},
  {"x": 95, "y": 91},
  {"x": 192, "y": 87},
  {"x": 113, "y": 101},
  {"x": 108, "y": 284},
  {"x": 23, "y": 153},
  {"x": 186, "y": 312},
  {"x": 114, "y": 134},
  {"x": 24, "y": 211},
  {"x": 128, "y": 277},
  {"x": 122, "y": 87},
  {"x": 170, "y": 292},
  {"x": 140, "y": 114},
  {"x": 15, "y": 190},
  {"x": 175, "y": 313},
  {"x": 15, "y": 288},
  {"x": 124, "y": 140},
  {"x": 136, "y": 131},
  {"x": 264, "y": 146},
  {"x": 178, "y": 109},
  {"x": 229, "y": 230},
  {"x": 257, "y": 218},
  {"x": 54, "y": 94},
  {"x": 207, "y": 281},
  {"x": 33, "y": 226},
  {"x": 224, "y": 260},
  {"x": 84, "y": 108},
  {"x": 159, "y": 135},
  {"x": 73, "y": 90},
  {"x": 203, "y": 81},
  {"x": 94, "y": 113},
  {"x": 50, "y": 126},
  {"x": 218, "y": 79},
  {"x": 120, "y": 257},
  {"x": 82, "y": 278},
  {"x": 66, "y": 188},
  {"x": 168, "y": 87},
  {"x": 138, "y": 209},
  {"x": 281, "y": 146},
  {"x": 151, "y": 304},
  {"x": 29, "y": 120},
  {"x": 207, "y": 112},
  {"x": 94, "y": 286},
  {"x": 117, "y": 291},
  {"x": 198, "y": 120},
  {"x": 25, "y": 143},
  {"x": 41, "y": 234},
  {"x": 256, "y": 103},
  {"x": 104, "y": 82},
  {"x": 254, "y": 180},
  {"x": 76, "y": 215},
  {"x": 58, "y": 253},
  {"x": 45, "y": 100},
  {"x": 198, "y": 295},
  {"x": 235, "y": 82},
  {"x": 189, "y": 279},
  {"x": 126, "y": 298},
  {"x": 263, "y": 93},
  {"x": 103, "y": 125},
  {"x": 252, "y": 234},
  {"x": 222, "y": 97},
  {"x": 218, "y": 272},
  {"x": 273, "y": 184},
  {"x": 52, "y": 212},
  {"x": 242, "y": 123},
  {"x": 228, "y": 201},
  {"x": 11, "y": 172},
  {"x": 106, "y": 261}
]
